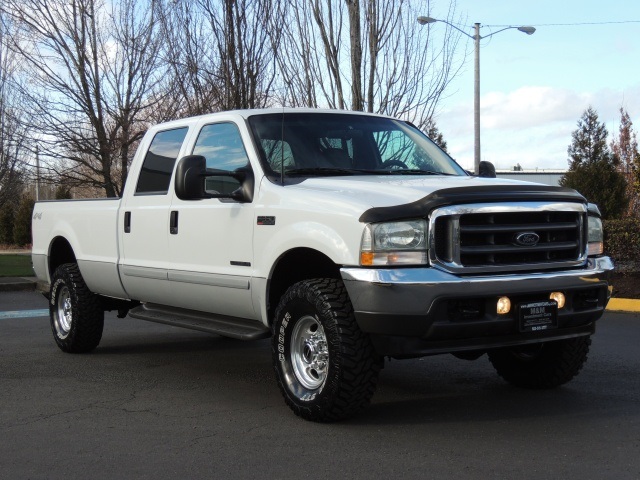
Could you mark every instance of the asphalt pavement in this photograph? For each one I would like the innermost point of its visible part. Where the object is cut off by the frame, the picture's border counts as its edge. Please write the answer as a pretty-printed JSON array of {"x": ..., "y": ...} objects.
[{"x": 154, "y": 401}]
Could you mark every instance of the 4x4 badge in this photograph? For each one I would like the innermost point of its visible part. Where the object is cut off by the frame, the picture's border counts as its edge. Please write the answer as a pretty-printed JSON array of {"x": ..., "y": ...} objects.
[{"x": 527, "y": 239}]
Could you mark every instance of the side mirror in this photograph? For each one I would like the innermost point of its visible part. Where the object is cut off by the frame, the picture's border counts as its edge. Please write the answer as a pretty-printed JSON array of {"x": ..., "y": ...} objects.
[
  {"x": 486, "y": 169},
  {"x": 191, "y": 175}
]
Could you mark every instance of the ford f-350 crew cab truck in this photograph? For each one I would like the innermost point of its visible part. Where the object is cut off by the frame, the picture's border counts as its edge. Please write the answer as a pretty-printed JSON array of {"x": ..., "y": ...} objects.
[{"x": 345, "y": 237}]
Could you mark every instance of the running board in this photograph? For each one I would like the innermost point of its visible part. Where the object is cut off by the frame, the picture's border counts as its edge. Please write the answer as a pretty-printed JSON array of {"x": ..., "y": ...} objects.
[{"x": 233, "y": 327}]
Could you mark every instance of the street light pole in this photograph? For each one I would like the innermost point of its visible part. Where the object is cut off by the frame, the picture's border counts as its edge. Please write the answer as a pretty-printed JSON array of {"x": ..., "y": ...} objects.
[{"x": 476, "y": 84}]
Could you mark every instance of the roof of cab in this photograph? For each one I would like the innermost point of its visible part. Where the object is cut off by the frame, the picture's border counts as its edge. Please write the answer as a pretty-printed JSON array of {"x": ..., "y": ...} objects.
[{"x": 258, "y": 111}]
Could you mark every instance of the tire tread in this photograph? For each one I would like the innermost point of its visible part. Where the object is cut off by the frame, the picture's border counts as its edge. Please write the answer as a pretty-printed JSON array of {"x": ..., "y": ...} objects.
[
  {"x": 558, "y": 363},
  {"x": 88, "y": 316},
  {"x": 358, "y": 362}
]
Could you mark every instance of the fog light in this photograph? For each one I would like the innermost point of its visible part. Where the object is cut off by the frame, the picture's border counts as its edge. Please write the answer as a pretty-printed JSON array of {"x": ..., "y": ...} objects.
[
  {"x": 558, "y": 297},
  {"x": 504, "y": 305}
]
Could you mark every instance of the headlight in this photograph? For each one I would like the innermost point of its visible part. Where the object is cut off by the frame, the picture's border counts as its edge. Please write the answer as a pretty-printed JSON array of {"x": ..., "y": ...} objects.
[
  {"x": 595, "y": 239},
  {"x": 394, "y": 243}
]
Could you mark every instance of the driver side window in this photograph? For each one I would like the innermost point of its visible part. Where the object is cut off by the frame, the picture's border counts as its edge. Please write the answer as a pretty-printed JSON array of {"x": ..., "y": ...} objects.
[{"x": 222, "y": 146}]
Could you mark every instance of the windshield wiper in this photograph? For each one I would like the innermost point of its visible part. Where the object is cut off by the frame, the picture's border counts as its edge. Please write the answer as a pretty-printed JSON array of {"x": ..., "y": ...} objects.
[
  {"x": 333, "y": 171},
  {"x": 325, "y": 171},
  {"x": 413, "y": 171}
]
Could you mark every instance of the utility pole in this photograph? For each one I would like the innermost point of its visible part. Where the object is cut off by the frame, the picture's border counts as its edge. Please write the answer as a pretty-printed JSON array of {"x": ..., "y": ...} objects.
[
  {"x": 37, "y": 174},
  {"x": 476, "y": 104}
]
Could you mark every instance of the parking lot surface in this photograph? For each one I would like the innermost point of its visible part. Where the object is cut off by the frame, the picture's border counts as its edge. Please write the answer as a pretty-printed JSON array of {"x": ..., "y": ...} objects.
[{"x": 154, "y": 401}]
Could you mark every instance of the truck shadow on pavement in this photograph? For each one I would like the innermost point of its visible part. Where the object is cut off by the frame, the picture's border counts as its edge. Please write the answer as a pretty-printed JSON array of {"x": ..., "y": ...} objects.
[
  {"x": 447, "y": 390},
  {"x": 422, "y": 391}
]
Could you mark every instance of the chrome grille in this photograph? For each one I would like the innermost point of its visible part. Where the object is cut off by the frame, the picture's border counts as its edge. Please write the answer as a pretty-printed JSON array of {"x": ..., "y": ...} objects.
[{"x": 526, "y": 236}]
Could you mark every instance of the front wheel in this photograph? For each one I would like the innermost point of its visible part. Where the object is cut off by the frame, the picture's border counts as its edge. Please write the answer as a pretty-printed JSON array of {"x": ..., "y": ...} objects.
[
  {"x": 542, "y": 365},
  {"x": 77, "y": 318},
  {"x": 325, "y": 366}
]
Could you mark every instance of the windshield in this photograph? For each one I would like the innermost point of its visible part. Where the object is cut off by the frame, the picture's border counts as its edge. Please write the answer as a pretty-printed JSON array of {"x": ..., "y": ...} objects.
[{"x": 319, "y": 144}]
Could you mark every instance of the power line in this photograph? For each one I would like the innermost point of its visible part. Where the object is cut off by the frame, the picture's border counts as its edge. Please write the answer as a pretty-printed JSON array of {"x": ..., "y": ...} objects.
[{"x": 570, "y": 24}]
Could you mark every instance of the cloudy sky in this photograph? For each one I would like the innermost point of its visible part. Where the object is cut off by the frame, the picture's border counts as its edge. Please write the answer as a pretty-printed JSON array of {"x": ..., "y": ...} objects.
[{"x": 535, "y": 88}]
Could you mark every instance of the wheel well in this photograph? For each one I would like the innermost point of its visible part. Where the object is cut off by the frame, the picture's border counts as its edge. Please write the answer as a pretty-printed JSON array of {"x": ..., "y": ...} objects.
[
  {"x": 60, "y": 252},
  {"x": 294, "y": 266}
]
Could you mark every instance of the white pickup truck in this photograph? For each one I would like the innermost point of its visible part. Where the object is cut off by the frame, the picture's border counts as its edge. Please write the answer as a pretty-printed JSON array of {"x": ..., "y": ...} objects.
[{"x": 345, "y": 237}]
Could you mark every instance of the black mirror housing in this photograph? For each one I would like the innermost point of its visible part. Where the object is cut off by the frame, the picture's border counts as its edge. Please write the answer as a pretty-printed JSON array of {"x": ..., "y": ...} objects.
[
  {"x": 189, "y": 184},
  {"x": 487, "y": 170},
  {"x": 192, "y": 171}
]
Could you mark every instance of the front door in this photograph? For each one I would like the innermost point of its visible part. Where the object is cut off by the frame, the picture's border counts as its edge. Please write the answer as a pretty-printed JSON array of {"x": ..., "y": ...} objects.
[{"x": 210, "y": 246}]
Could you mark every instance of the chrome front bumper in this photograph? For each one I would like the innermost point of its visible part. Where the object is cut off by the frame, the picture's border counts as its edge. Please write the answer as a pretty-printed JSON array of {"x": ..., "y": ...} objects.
[{"x": 450, "y": 312}]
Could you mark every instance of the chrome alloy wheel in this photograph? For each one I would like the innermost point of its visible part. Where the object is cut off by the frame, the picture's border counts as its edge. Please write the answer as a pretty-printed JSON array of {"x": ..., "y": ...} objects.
[
  {"x": 62, "y": 315},
  {"x": 309, "y": 352}
]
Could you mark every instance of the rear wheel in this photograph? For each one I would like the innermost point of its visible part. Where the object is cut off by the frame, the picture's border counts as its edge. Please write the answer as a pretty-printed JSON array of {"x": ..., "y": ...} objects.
[
  {"x": 77, "y": 318},
  {"x": 325, "y": 366},
  {"x": 543, "y": 365}
]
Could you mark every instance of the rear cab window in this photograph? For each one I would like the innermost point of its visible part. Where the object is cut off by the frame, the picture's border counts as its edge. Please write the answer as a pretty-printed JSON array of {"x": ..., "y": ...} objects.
[{"x": 159, "y": 161}]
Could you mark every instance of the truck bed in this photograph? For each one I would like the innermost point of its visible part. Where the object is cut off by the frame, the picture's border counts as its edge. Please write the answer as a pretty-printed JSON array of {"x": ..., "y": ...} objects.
[{"x": 90, "y": 228}]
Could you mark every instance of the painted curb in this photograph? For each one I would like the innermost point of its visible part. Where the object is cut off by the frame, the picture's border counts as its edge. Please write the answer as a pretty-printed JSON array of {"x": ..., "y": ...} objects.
[{"x": 623, "y": 305}]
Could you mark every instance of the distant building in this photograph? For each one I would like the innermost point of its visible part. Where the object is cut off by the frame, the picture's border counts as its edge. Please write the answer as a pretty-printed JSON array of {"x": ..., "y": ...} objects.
[{"x": 546, "y": 177}]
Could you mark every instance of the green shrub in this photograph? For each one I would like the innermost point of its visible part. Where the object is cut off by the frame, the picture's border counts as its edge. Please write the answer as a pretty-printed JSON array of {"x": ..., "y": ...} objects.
[
  {"x": 7, "y": 218},
  {"x": 22, "y": 225},
  {"x": 622, "y": 242}
]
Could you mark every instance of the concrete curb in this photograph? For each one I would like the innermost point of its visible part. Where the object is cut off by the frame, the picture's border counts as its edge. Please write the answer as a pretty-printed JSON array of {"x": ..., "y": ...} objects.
[{"x": 17, "y": 284}]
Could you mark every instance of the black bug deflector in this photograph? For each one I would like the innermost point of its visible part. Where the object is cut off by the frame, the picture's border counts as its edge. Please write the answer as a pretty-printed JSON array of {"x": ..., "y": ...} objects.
[{"x": 478, "y": 194}]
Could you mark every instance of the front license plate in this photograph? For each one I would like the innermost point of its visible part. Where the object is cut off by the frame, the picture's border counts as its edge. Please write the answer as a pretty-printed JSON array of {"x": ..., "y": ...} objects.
[{"x": 537, "y": 316}]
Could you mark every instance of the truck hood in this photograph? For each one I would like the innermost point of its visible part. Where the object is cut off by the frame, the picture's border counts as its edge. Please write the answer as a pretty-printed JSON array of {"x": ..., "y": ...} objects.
[{"x": 385, "y": 190}]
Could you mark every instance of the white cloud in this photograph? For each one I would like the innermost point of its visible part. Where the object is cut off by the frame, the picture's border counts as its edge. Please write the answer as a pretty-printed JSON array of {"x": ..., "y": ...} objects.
[
  {"x": 531, "y": 125},
  {"x": 530, "y": 107}
]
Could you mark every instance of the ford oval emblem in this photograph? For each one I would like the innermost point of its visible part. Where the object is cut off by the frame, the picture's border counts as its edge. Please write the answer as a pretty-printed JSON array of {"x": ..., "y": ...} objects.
[{"x": 527, "y": 239}]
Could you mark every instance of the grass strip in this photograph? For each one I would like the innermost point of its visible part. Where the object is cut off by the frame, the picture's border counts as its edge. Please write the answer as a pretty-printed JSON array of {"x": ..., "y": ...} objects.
[{"x": 15, "y": 266}]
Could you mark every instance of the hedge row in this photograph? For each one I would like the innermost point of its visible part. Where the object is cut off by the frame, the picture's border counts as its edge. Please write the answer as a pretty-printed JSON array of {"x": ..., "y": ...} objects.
[{"x": 622, "y": 243}]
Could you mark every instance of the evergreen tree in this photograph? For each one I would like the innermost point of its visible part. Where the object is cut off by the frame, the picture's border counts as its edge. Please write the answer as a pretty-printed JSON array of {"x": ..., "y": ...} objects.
[
  {"x": 589, "y": 143},
  {"x": 22, "y": 224},
  {"x": 63, "y": 192},
  {"x": 432, "y": 131},
  {"x": 592, "y": 167},
  {"x": 7, "y": 218}
]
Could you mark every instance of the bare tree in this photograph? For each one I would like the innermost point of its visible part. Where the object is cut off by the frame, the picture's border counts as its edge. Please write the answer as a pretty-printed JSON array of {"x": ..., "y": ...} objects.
[
  {"x": 12, "y": 133},
  {"x": 625, "y": 149},
  {"x": 90, "y": 67},
  {"x": 395, "y": 67},
  {"x": 219, "y": 53},
  {"x": 244, "y": 50},
  {"x": 94, "y": 73},
  {"x": 191, "y": 87}
]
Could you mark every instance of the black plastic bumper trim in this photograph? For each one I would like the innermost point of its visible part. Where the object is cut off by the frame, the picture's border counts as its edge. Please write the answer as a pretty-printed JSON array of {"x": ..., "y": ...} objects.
[{"x": 409, "y": 347}]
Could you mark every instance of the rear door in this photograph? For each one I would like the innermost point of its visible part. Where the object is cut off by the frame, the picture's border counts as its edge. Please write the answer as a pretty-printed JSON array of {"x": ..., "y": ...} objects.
[{"x": 144, "y": 220}]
